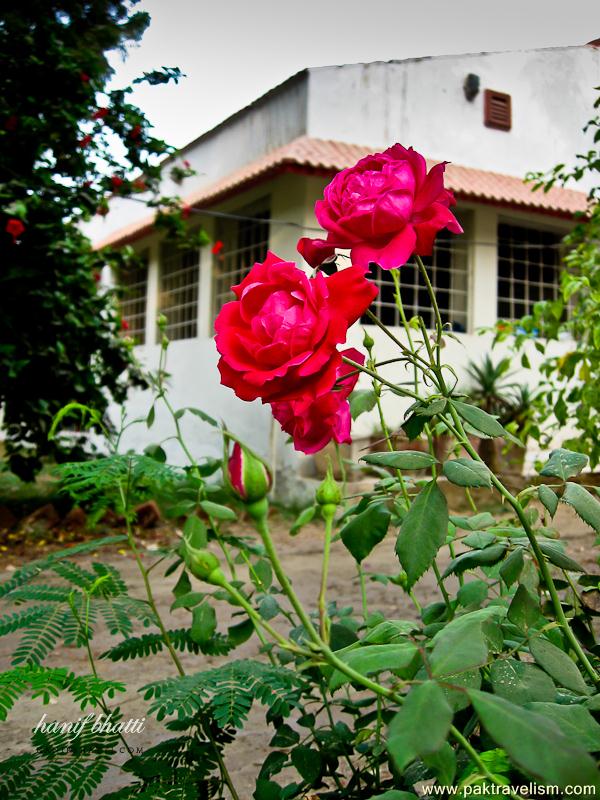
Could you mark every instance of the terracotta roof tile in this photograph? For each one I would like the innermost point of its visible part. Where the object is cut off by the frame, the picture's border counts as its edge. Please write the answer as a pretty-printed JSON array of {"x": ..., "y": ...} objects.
[{"x": 327, "y": 157}]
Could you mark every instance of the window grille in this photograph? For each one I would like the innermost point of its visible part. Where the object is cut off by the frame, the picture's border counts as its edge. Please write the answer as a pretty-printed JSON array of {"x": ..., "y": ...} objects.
[
  {"x": 178, "y": 299},
  {"x": 528, "y": 269},
  {"x": 133, "y": 283},
  {"x": 245, "y": 241},
  {"x": 448, "y": 272}
]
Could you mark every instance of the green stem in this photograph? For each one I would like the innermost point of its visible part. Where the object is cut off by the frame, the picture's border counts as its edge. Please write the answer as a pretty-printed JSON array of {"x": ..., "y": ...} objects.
[
  {"x": 363, "y": 591},
  {"x": 474, "y": 755},
  {"x": 323, "y": 619},
  {"x": 392, "y": 386},
  {"x": 440, "y": 583},
  {"x": 259, "y": 621}
]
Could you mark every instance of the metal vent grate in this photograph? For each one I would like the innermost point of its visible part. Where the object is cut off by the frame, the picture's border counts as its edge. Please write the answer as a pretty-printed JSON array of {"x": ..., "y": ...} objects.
[{"x": 497, "y": 110}]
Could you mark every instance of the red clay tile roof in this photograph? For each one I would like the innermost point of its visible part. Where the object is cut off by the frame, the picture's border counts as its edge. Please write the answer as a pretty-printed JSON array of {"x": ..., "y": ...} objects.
[{"x": 325, "y": 157}]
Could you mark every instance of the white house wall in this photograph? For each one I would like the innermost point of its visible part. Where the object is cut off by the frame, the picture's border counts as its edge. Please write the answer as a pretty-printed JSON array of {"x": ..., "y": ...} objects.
[{"x": 420, "y": 102}]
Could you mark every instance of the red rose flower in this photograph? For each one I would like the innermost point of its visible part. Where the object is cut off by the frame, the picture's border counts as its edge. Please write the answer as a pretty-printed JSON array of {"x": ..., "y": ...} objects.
[
  {"x": 124, "y": 325},
  {"x": 217, "y": 247},
  {"x": 14, "y": 227},
  {"x": 100, "y": 113},
  {"x": 84, "y": 77},
  {"x": 116, "y": 181},
  {"x": 314, "y": 422},
  {"x": 140, "y": 185},
  {"x": 278, "y": 340},
  {"x": 186, "y": 164},
  {"x": 186, "y": 211},
  {"x": 383, "y": 210},
  {"x": 97, "y": 276},
  {"x": 135, "y": 132},
  {"x": 85, "y": 141}
]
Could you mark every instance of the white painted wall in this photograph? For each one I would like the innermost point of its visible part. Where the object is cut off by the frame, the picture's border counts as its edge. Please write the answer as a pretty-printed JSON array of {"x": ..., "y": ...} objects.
[{"x": 420, "y": 102}]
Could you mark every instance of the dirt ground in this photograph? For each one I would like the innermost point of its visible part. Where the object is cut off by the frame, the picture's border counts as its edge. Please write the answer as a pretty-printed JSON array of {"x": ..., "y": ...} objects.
[{"x": 301, "y": 557}]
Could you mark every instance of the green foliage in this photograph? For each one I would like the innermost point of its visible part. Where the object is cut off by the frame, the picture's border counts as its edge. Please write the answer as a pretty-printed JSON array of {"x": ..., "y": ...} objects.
[
  {"x": 569, "y": 391},
  {"x": 227, "y": 691},
  {"x": 423, "y": 532},
  {"x": 68, "y": 142}
]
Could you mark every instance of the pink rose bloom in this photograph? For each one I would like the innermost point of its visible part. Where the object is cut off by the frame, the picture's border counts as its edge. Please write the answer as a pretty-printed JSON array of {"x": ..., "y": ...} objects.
[
  {"x": 383, "y": 210},
  {"x": 312, "y": 422},
  {"x": 278, "y": 340}
]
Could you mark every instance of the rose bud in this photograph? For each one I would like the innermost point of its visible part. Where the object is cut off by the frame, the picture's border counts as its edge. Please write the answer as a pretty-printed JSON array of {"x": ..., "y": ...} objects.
[
  {"x": 329, "y": 494},
  {"x": 248, "y": 475},
  {"x": 203, "y": 564}
]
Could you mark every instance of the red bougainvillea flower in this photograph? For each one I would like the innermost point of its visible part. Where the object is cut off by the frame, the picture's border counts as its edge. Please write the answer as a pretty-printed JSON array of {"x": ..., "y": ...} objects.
[
  {"x": 100, "y": 113},
  {"x": 85, "y": 140},
  {"x": 248, "y": 475},
  {"x": 278, "y": 340},
  {"x": 217, "y": 247},
  {"x": 135, "y": 132},
  {"x": 383, "y": 210},
  {"x": 313, "y": 422},
  {"x": 14, "y": 227}
]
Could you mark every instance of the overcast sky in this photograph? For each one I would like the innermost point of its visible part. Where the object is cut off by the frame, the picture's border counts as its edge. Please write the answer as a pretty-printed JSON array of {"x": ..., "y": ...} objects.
[{"x": 232, "y": 51}]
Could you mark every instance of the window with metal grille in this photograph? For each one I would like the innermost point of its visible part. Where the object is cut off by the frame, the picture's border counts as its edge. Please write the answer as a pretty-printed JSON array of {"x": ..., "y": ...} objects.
[
  {"x": 133, "y": 283},
  {"x": 178, "y": 298},
  {"x": 528, "y": 268},
  {"x": 448, "y": 272},
  {"x": 245, "y": 241},
  {"x": 497, "y": 110}
]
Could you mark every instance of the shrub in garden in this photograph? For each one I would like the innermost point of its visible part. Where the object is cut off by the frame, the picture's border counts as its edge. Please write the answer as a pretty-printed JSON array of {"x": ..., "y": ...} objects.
[
  {"x": 68, "y": 142},
  {"x": 488, "y": 689}
]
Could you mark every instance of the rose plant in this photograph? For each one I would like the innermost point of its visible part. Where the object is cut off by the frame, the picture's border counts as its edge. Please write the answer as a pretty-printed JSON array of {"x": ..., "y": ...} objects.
[{"x": 488, "y": 689}]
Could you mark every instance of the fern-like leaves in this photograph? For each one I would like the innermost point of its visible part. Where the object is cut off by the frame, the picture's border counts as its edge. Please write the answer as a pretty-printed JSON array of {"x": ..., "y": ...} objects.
[{"x": 227, "y": 692}]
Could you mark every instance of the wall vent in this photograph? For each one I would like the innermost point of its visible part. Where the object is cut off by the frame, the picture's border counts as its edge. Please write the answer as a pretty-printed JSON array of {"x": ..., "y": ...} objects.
[{"x": 497, "y": 111}]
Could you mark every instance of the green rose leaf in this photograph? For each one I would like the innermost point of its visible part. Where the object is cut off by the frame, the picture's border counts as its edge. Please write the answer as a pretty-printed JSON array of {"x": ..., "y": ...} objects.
[
  {"x": 402, "y": 459},
  {"x": 534, "y": 743},
  {"x": 361, "y": 400},
  {"x": 477, "y": 558},
  {"x": 575, "y": 721},
  {"x": 421, "y": 726},
  {"x": 558, "y": 665},
  {"x": 371, "y": 659},
  {"x": 204, "y": 623},
  {"x": 586, "y": 506},
  {"x": 564, "y": 464},
  {"x": 479, "y": 419},
  {"x": 548, "y": 498},
  {"x": 423, "y": 532},
  {"x": 520, "y": 682},
  {"x": 365, "y": 531},
  {"x": 467, "y": 472}
]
